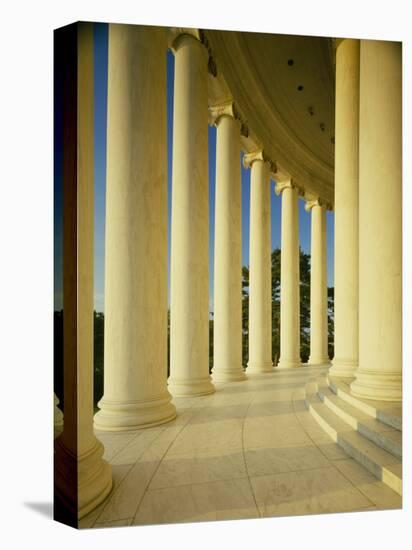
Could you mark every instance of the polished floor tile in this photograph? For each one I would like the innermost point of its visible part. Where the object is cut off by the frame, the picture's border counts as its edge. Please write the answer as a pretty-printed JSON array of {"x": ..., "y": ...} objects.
[
  {"x": 379, "y": 493},
  {"x": 322, "y": 490},
  {"x": 246, "y": 451},
  {"x": 219, "y": 500},
  {"x": 199, "y": 467},
  {"x": 262, "y": 461}
]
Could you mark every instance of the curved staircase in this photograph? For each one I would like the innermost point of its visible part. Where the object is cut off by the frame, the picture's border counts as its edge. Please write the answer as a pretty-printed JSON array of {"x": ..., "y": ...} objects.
[{"x": 368, "y": 431}]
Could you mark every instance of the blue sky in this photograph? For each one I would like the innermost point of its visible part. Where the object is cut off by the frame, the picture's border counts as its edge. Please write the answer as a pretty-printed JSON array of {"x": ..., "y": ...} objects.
[{"x": 100, "y": 75}]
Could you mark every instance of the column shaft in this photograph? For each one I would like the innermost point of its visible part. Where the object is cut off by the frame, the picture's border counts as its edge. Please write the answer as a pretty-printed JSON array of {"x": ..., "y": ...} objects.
[
  {"x": 135, "y": 373},
  {"x": 346, "y": 299},
  {"x": 260, "y": 272},
  {"x": 82, "y": 478},
  {"x": 227, "y": 347},
  {"x": 289, "y": 279},
  {"x": 380, "y": 222},
  {"x": 189, "y": 313},
  {"x": 318, "y": 287}
]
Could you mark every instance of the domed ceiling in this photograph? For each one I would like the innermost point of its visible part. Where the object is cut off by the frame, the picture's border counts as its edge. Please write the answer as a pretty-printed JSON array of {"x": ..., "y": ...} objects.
[{"x": 283, "y": 87}]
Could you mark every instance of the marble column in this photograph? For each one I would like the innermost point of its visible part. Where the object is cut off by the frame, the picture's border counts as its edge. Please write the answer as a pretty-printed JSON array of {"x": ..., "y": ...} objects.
[
  {"x": 318, "y": 285},
  {"x": 227, "y": 333},
  {"x": 82, "y": 478},
  {"x": 379, "y": 375},
  {"x": 346, "y": 297},
  {"x": 189, "y": 299},
  {"x": 289, "y": 277},
  {"x": 135, "y": 343},
  {"x": 260, "y": 268}
]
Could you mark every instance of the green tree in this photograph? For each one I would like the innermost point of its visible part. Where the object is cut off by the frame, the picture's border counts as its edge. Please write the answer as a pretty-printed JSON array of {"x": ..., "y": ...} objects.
[
  {"x": 245, "y": 314},
  {"x": 304, "y": 266},
  {"x": 304, "y": 308},
  {"x": 304, "y": 324}
]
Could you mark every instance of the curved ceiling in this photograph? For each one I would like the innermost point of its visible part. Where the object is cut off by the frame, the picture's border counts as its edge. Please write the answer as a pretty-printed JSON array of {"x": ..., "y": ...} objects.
[{"x": 283, "y": 87}]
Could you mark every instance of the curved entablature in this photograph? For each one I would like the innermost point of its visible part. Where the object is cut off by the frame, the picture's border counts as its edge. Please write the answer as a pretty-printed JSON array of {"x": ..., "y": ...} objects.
[
  {"x": 293, "y": 123},
  {"x": 255, "y": 78}
]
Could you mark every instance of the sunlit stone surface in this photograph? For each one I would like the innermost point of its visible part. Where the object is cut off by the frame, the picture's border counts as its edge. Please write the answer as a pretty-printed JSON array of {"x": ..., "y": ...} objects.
[{"x": 250, "y": 450}]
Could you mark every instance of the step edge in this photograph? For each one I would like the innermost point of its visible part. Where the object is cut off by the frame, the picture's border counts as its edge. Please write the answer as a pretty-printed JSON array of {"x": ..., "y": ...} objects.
[
  {"x": 367, "y": 409},
  {"x": 381, "y": 439},
  {"x": 381, "y": 472}
]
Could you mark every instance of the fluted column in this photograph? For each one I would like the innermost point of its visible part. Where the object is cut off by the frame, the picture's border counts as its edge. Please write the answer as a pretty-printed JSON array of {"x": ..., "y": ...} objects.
[
  {"x": 346, "y": 294},
  {"x": 189, "y": 301},
  {"x": 260, "y": 268},
  {"x": 227, "y": 333},
  {"x": 380, "y": 222},
  {"x": 318, "y": 285},
  {"x": 82, "y": 478},
  {"x": 135, "y": 371},
  {"x": 289, "y": 277}
]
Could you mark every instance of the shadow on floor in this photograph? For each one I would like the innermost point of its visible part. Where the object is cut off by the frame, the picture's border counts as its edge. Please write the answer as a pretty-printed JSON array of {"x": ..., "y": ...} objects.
[{"x": 45, "y": 509}]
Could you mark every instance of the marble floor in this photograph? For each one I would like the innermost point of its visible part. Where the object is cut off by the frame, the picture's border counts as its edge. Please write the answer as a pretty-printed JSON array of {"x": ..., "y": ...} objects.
[{"x": 249, "y": 450}]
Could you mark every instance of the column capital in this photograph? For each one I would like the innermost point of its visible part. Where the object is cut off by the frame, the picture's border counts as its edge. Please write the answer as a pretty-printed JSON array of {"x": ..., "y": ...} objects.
[
  {"x": 287, "y": 183},
  {"x": 250, "y": 158},
  {"x": 178, "y": 34},
  {"x": 310, "y": 203},
  {"x": 338, "y": 41},
  {"x": 314, "y": 202},
  {"x": 220, "y": 110},
  {"x": 227, "y": 108}
]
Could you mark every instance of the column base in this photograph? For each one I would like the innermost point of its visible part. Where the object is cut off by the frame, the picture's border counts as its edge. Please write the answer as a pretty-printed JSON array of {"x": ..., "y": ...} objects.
[
  {"x": 319, "y": 362},
  {"x": 81, "y": 482},
  {"x": 133, "y": 415},
  {"x": 377, "y": 385},
  {"x": 187, "y": 387},
  {"x": 259, "y": 368},
  {"x": 221, "y": 375},
  {"x": 287, "y": 364},
  {"x": 343, "y": 368}
]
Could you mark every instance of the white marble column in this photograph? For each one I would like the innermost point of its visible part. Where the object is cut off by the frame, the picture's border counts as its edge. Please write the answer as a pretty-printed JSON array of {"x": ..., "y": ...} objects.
[
  {"x": 318, "y": 285},
  {"x": 189, "y": 300},
  {"x": 380, "y": 222},
  {"x": 289, "y": 277},
  {"x": 346, "y": 293},
  {"x": 135, "y": 343},
  {"x": 82, "y": 478},
  {"x": 260, "y": 268},
  {"x": 227, "y": 333}
]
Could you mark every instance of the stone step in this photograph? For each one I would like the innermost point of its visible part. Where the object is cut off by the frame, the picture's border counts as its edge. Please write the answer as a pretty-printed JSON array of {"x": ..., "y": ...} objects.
[
  {"x": 389, "y": 413},
  {"x": 382, "y": 434},
  {"x": 383, "y": 465}
]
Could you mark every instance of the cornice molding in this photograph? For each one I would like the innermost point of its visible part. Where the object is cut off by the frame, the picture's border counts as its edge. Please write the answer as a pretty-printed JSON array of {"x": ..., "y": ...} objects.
[{"x": 211, "y": 63}]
